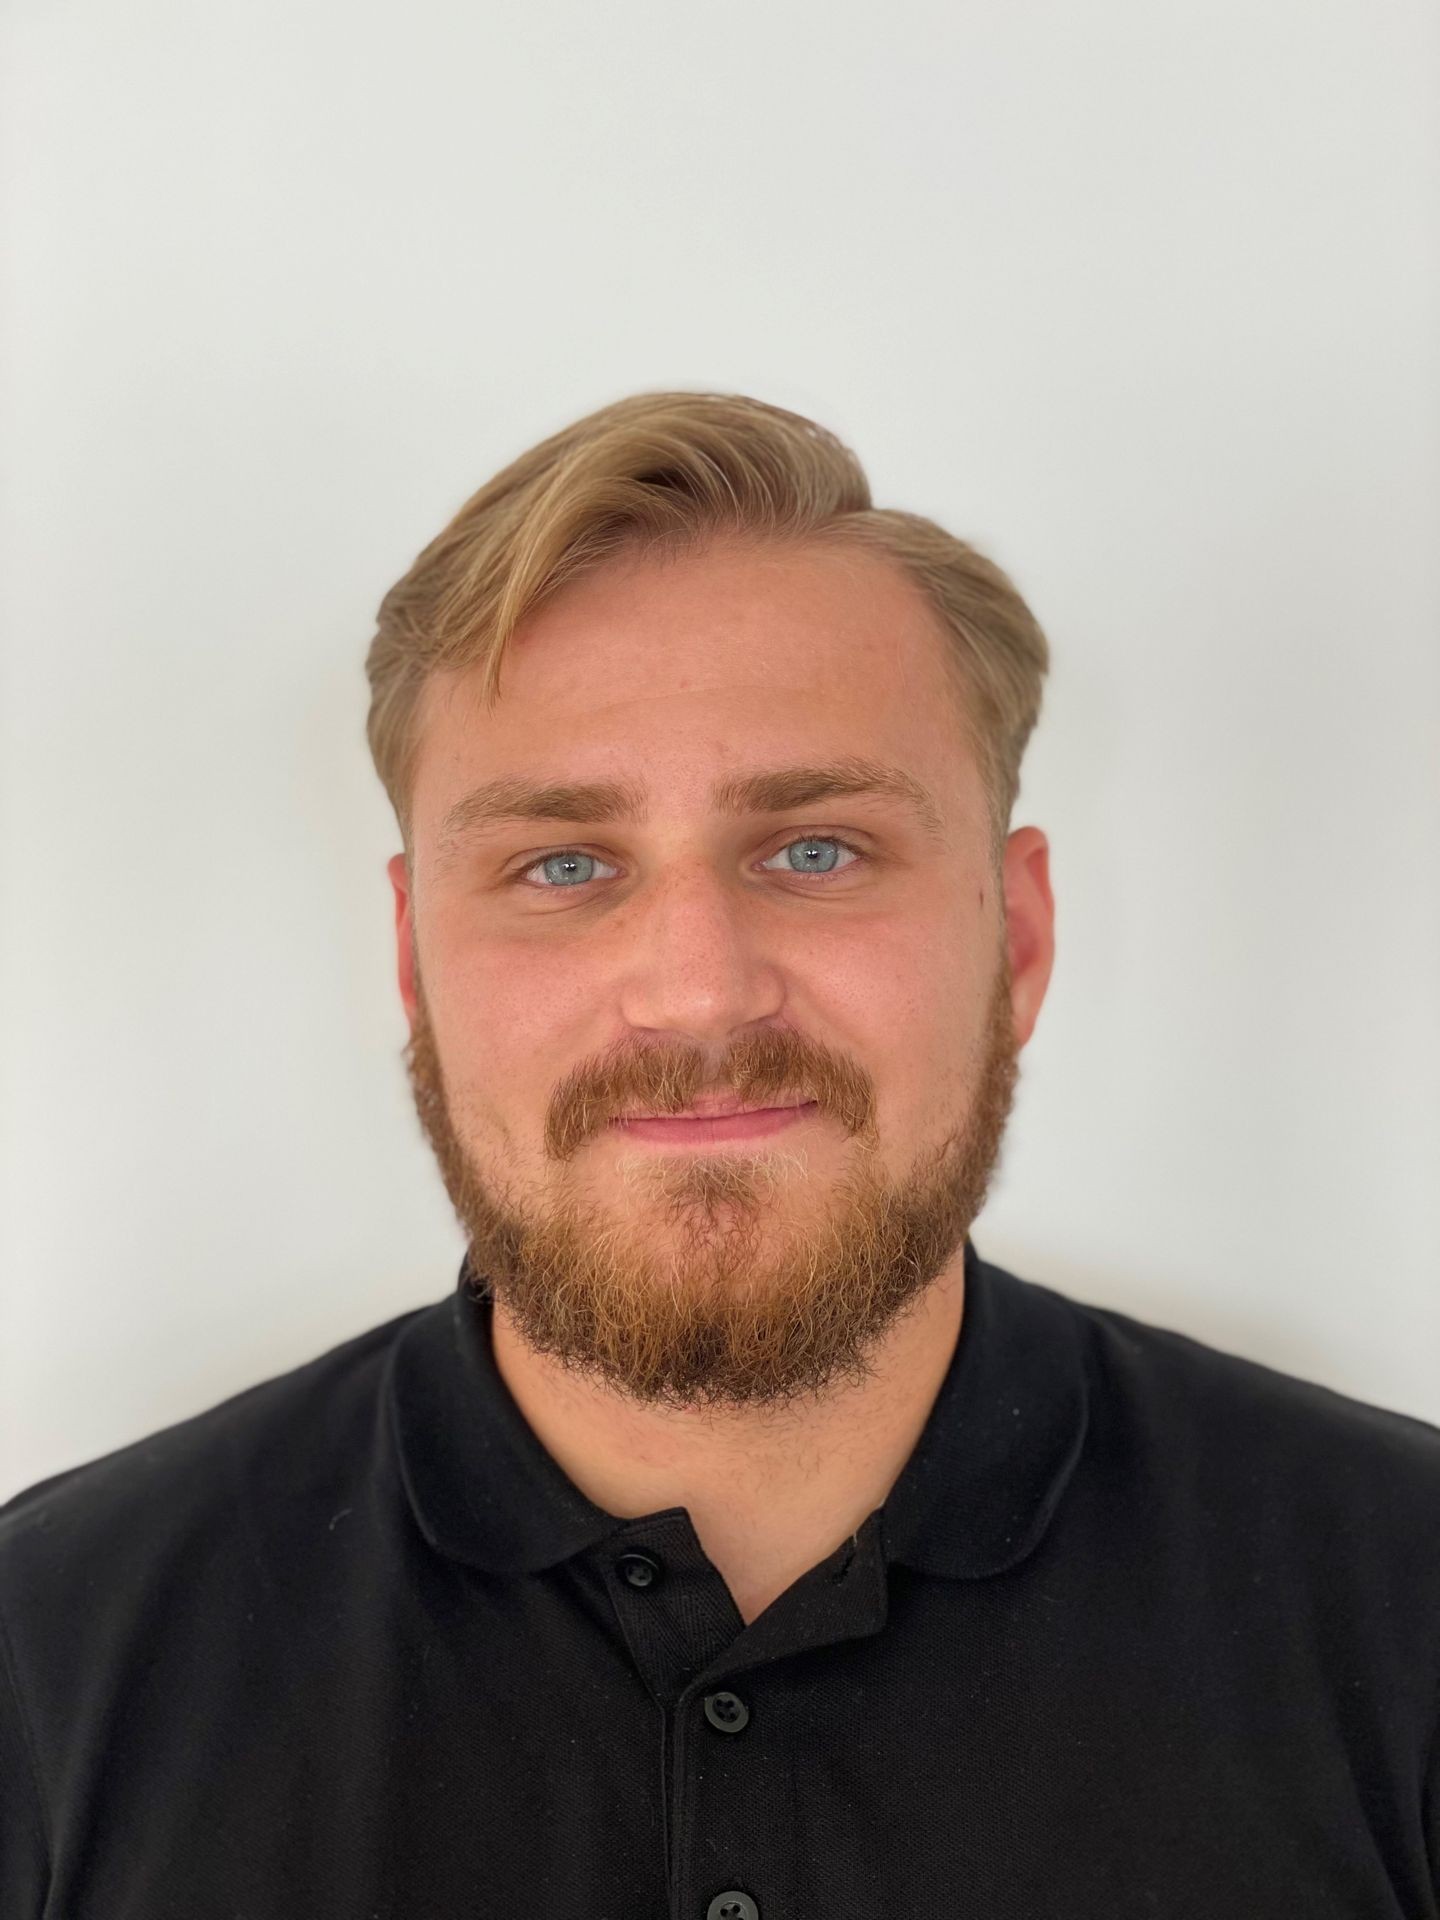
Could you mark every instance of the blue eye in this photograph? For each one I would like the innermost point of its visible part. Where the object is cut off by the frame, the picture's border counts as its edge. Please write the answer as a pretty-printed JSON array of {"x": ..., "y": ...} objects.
[
  {"x": 814, "y": 854},
  {"x": 568, "y": 869}
]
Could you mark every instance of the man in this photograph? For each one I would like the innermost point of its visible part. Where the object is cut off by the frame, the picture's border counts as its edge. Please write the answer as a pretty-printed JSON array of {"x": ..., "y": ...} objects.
[{"x": 733, "y": 1541}]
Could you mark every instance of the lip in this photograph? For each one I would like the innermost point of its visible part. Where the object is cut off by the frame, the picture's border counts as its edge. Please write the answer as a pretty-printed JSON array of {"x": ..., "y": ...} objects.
[
  {"x": 725, "y": 1121},
  {"x": 710, "y": 1105}
]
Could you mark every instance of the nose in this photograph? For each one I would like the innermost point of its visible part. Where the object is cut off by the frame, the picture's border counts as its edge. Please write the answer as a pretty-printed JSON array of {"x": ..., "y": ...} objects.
[{"x": 699, "y": 964}]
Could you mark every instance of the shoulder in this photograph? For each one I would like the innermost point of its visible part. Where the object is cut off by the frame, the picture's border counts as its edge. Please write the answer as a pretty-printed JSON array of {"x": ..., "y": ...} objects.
[
  {"x": 1172, "y": 1377},
  {"x": 175, "y": 1555},
  {"x": 1165, "y": 1375},
  {"x": 279, "y": 1442},
  {"x": 1240, "y": 1443}
]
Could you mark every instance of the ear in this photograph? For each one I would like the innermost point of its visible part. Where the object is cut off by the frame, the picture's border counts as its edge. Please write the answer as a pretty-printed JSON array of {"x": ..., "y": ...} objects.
[
  {"x": 1029, "y": 926},
  {"x": 404, "y": 933}
]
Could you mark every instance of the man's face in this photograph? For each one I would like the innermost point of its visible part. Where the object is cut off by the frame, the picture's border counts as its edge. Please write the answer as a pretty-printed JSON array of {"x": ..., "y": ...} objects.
[{"x": 705, "y": 929}]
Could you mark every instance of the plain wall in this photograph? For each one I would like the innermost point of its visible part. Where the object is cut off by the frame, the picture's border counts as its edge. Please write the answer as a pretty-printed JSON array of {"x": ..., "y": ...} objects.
[{"x": 1142, "y": 299}]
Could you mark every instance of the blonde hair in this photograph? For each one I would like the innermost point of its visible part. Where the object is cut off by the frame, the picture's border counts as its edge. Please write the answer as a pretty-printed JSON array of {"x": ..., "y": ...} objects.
[{"x": 669, "y": 469}]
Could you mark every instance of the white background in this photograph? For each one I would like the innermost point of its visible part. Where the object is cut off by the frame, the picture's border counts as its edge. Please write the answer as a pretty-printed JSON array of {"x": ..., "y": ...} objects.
[{"x": 1142, "y": 297}]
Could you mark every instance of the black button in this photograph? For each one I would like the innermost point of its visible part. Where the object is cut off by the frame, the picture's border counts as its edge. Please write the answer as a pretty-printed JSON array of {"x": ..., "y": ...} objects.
[
  {"x": 639, "y": 1570},
  {"x": 732, "y": 1906},
  {"x": 726, "y": 1711}
]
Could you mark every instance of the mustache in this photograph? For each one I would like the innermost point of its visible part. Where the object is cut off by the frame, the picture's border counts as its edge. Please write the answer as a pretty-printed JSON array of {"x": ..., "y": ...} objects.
[{"x": 772, "y": 1066}]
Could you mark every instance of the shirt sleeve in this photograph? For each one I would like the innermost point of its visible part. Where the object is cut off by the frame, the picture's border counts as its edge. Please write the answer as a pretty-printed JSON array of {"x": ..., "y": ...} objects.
[{"x": 24, "y": 1855}]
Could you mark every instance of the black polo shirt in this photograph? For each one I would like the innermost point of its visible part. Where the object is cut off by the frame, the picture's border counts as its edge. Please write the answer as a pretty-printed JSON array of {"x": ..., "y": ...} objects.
[{"x": 1141, "y": 1630}]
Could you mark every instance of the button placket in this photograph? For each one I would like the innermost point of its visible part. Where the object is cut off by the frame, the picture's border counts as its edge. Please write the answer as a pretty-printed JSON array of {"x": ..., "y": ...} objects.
[
  {"x": 671, "y": 1605},
  {"x": 679, "y": 1621}
]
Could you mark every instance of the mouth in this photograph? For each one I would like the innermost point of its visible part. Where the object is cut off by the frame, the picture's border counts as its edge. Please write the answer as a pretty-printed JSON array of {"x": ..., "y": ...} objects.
[{"x": 712, "y": 1121}]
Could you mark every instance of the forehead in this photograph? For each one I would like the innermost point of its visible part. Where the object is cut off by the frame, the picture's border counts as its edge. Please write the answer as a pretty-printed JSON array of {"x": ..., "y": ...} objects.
[{"x": 670, "y": 671}]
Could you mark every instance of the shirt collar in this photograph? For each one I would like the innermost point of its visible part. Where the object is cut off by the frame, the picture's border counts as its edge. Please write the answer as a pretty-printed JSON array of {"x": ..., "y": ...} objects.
[{"x": 974, "y": 1498}]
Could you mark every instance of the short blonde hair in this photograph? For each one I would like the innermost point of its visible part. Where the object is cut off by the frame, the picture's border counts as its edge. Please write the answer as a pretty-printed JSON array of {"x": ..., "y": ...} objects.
[{"x": 663, "y": 469}]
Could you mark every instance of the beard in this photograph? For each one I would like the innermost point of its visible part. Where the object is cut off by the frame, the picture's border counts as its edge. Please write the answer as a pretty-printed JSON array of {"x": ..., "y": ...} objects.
[{"x": 719, "y": 1278}]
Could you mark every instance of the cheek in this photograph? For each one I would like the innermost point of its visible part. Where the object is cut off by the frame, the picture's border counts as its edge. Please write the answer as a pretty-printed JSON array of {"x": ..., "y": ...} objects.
[
  {"x": 507, "y": 1031},
  {"x": 897, "y": 979},
  {"x": 505, "y": 984},
  {"x": 908, "y": 1003}
]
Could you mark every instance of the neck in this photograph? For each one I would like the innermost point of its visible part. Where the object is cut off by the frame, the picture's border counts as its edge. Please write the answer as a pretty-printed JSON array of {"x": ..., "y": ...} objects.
[{"x": 769, "y": 1493}]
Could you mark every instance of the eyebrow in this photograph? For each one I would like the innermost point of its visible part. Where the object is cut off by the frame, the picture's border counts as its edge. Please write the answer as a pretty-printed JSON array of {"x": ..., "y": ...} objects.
[{"x": 498, "y": 803}]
